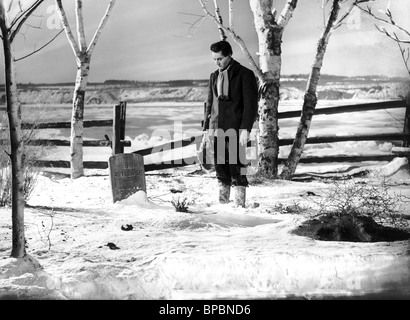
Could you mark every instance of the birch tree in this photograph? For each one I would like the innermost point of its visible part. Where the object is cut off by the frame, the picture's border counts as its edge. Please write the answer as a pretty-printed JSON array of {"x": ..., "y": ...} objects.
[
  {"x": 310, "y": 97},
  {"x": 82, "y": 53},
  {"x": 270, "y": 28},
  {"x": 13, "y": 14}
]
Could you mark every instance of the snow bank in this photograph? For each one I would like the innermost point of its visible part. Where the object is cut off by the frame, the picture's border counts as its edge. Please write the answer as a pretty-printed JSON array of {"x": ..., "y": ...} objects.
[
  {"x": 25, "y": 279},
  {"x": 396, "y": 170}
]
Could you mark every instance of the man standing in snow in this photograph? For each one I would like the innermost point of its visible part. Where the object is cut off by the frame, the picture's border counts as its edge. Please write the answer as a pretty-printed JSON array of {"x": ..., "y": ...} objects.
[{"x": 231, "y": 110}]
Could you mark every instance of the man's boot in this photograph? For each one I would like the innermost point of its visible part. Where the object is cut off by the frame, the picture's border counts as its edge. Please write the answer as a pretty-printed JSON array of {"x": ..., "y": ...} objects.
[
  {"x": 240, "y": 196},
  {"x": 224, "y": 192}
]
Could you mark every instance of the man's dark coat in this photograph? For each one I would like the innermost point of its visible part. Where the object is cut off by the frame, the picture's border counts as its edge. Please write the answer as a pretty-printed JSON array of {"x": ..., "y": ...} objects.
[{"x": 240, "y": 110}]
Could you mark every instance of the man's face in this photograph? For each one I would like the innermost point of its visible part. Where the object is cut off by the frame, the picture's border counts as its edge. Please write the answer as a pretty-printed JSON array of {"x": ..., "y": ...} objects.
[{"x": 221, "y": 61}]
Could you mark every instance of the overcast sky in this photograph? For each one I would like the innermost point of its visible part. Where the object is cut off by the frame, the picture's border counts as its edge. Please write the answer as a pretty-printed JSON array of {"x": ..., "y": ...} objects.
[{"x": 148, "y": 40}]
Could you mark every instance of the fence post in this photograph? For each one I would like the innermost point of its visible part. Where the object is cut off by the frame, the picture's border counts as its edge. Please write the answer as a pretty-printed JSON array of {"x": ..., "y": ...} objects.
[
  {"x": 203, "y": 119},
  {"x": 406, "y": 128},
  {"x": 118, "y": 133}
]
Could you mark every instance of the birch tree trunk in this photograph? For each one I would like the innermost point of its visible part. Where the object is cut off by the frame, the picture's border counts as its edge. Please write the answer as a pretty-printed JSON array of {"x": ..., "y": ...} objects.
[
  {"x": 270, "y": 32},
  {"x": 310, "y": 98},
  {"x": 219, "y": 17},
  {"x": 77, "y": 118},
  {"x": 16, "y": 143},
  {"x": 83, "y": 55}
]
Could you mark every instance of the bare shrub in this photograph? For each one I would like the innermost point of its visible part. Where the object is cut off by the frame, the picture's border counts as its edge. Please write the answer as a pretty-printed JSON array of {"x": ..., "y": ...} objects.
[
  {"x": 5, "y": 185},
  {"x": 31, "y": 153},
  {"x": 348, "y": 199},
  {"x": 181, "y": 203}
]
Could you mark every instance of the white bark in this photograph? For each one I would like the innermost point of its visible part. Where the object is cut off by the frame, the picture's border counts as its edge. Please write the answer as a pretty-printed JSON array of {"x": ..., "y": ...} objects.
[
  {"x": 231, "y": 12},
  {"x": 270, "y": 32},
  {"x": 11, "y": 20},
  {"x": 16, "y": 143},
  {"x": 80, "y": 25},
  {"x": 83, "y": 58},
  {"x": 219, "y": 17},
  {"x": 236, "y": 38},
  {"x": 310, "y": 99},
  {"x": 269, "y": 62},
  {"x": 103, "y": 21},
  {"x": 67, "y": 28},
  {"x": 287, "y": 13},
  {"x": 268, "y": 72},
  {"x": 77, "y": 120}
]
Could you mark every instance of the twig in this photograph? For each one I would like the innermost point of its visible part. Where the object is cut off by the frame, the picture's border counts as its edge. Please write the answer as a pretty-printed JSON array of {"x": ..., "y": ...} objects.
[
  {"x": 390, "y": 21},
  {"x": 22, "y": 18},
  {"x": 405, "y": 59},
  {"x": 236, "y": 38},
  {"x": 193, "y": 25},
  {"x": 42, "y": 47},
  {"x": 49, "y": 231}
]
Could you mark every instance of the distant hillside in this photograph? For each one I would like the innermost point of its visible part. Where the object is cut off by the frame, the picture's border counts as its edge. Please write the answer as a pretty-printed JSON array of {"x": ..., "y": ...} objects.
[{"x": 292, "y": 87}]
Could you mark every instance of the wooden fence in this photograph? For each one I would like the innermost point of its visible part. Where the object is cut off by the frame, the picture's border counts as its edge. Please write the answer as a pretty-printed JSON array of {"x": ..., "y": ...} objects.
[
  {"x": 118, "y": 143},
  {"x": 404, "y": 137}
]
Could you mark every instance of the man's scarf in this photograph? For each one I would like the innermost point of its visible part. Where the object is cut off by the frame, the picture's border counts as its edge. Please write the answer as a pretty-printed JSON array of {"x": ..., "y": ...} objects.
[{"x": 223, "y": 84}]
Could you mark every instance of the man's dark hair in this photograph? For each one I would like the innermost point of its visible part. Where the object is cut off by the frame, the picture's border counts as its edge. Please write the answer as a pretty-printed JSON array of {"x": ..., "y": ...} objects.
[{"x": 222, "y": 46}]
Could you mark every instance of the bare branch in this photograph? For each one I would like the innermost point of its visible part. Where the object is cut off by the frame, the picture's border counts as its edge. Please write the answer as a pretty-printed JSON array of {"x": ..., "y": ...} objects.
[
  {"x": 274, "y": 12},
  {"x": 42, "y": 47},
  {"x": 18, "y": 16},
  {"x": 10, "y": 5},
  {"x": 324, "y": 2},
  {"x": 191, "y": 14},
  {"x": 192, "y": 25},
  {"x": 219, "y": 17},
  {"x": 390, "y": 21},
  {"x": 391, "y": 36},
  {"x": 231, "y": 14},
  {"x": 339, "y": 21},
  {"x": 287, "y": 13},
  {"x": 80, "y": 25},
  {"x": 405, "y": 59},
  {"x": 93, "y": 43},
  {"x": 32, "y": 26},
  {"x": 67, "y": 28},
  {"x": 237, "y": 39},
  {"x": 22, "y": 18}
]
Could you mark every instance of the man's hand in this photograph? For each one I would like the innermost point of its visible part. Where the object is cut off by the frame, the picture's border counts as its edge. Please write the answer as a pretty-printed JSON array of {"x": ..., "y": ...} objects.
[
  {"x": 243, "y": 138},
  {"x": 205, "y": 138}
]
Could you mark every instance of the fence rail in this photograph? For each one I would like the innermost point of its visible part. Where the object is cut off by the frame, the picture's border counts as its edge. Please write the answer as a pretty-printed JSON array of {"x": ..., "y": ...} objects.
[
  {"x": 67, "y": 125},
  {"x": 393, "y": 104},
  {"x": 118, "y": 143},
  {"x": 403, "y": 137}
]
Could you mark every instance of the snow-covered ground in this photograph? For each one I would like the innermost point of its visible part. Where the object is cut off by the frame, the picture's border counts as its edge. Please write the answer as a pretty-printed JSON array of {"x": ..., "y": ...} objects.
[
  {"x": 77, "y": 248},
  {"x": 213, "y": 251}
]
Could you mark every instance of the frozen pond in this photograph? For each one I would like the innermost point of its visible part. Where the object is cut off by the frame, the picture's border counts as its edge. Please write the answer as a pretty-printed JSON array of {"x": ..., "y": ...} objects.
[{"x": 149, "y": 118}]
